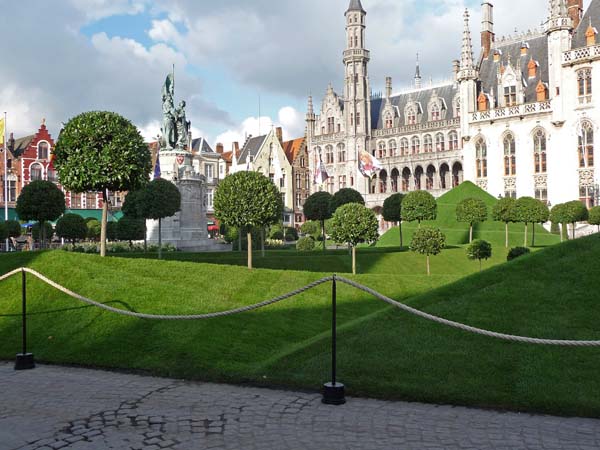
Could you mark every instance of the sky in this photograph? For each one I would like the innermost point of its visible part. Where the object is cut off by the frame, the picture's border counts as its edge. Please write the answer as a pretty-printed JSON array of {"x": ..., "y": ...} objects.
[{"x": 65, "y": 57}]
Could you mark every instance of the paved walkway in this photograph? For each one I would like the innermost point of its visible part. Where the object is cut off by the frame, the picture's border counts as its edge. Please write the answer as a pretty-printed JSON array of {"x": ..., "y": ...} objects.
[{"x": 54, "y": 407}]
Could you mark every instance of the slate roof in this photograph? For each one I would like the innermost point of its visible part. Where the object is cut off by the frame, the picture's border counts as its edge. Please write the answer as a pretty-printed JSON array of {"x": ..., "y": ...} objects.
[
  {"x": 199, "y": 145},
  {"x": 423, "y": 96},
  {"x": 292, "y": 148},
  {"x": 251, "y": 148},
  {"x": 538, "y": 50},
  {"x": 355, "y": 5},
  {"x": 593, "y": 14},
  {"x": 20, "y": 145}
]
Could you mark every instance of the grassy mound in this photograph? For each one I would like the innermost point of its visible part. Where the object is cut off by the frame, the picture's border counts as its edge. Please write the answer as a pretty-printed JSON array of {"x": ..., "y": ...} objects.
[
  {"x": 458, "y": 233},
  {"x": 382, "y": 352}
]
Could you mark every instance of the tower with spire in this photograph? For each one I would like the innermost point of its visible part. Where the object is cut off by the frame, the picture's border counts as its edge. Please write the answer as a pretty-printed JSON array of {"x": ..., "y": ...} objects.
[
  {"x": 558, "y": 29},
  {"x": 467, "y": 74},
  {"x": 418, "y": 79}
]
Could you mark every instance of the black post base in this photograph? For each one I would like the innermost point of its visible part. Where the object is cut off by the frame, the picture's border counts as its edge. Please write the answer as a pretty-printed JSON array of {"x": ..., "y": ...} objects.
[
  {"x": 333, "y": 394},
  {"x": 24, "y": 361}
]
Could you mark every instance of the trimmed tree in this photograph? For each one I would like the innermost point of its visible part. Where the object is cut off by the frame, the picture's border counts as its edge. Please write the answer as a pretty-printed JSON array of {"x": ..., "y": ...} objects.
[
  {"x": 504, "y": 211},
  {"x": 392, "y": 212},
  {"x": 246, "y": 200},
  {"x": 471, "y": 211},
  {"x": 71, "y": 227},
  {"x": 352, "y": 224},
  {"x": 345, "y": 196},
  {"x": 530, "y": 210},
  {"x": 3, "y": 232},
  {"x": 41, "y": 201},
  {"x": 319, "y": 207},
  {"x": 541, "y": 214},
  {"x": 428, "y": 241},
  {"x": 479, "y": 249},
  {"x": 594, "y": 217},
  {"x": 132, "y": 208},
  {"x": 575, "y": 211},
  {"x": 558, "y": 215},
  {"x": 131, "y": 229},
  {"x": 160, "y": 199},
  {"x": 100, "y": 152},
  {"x": 94, "y": 229},
  {"x": 39, "y": 231},
  {"x": 111, "y": 231},
  {"x": 419, "y": 206}
]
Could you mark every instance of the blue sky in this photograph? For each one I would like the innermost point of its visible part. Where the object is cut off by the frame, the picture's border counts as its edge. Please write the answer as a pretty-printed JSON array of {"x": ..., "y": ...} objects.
[{"x": 77, "y": 55}]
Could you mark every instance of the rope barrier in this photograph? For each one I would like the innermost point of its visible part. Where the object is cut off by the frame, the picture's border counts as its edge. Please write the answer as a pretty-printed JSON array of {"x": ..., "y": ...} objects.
[{"x": 399, "y": 305}]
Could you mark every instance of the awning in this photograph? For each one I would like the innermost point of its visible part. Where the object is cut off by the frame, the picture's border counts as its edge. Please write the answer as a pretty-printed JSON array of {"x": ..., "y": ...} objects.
[
  {"x": 213, "y": 228},
  {"x": 113, "y": 216},
  {"x": 12, "y": 214}
]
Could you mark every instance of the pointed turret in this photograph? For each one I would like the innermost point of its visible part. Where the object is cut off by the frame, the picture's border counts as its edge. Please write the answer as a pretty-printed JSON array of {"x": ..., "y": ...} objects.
[
  {"x": 418, "y": 78},
  {"x": 559, "y": 17},
  {"x": 355, "y": 5},
  {"x": 467, "y": 67}
]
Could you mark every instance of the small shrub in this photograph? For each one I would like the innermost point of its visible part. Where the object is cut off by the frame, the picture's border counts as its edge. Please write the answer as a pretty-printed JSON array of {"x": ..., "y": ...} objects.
[
  {"x": 276, "y": 235},
  {"x": 516, "y": 252},
  {"x": 305, "y": 244},
  {"x": 291, "y": 234},
  {"x": 274, "y": 244}
]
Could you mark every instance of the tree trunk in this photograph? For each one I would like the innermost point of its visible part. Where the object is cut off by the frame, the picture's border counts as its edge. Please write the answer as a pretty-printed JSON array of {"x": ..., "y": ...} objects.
[
  {"x": 428, "y": 268},
  {"x": 323, "y": 230},
  {"x": 533, "y": 236},
  {"x": 249, "y": 235},
  {"x": 103, "y": 224},
  {"x": 419, "y": 226},
  {"x": 262, "y": 242},
  {"x": 145, "y": 243},
  {"x": 506, "y": 230},
  {"x": 159, "y": 238},
  {"x": 573, "y": 227},
  {"x": 401, "y": 243},
  {"x": 353, "y": 260},
  {"x": 560, "y": 227},
  {"x": 525, "y": 241},
  {"x": 42, "y": 235},
  {"x": 471, "y": 233},
  {"x": 240, "y": 240},
  {"x": 480, "y": 268}
]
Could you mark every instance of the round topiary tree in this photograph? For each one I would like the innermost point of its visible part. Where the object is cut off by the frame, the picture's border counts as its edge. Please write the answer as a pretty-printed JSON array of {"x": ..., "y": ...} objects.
[
  {"x": 479, "y": 249},
  {"x": 575, "y": 211},
  {"x": 40, "y": 232},
  {"x": 246, "y": 200},
  {"x": 471, "y": 211},
  {"x": 14, "y": 228},
  {"x": 558, "y": 215},
  {"x": 594, "y": 217},
  {"x": 419, "y": 206},
  {"x": 530, "y": 210},
  {"x": 100, "y": 152},
  {"x": 345, "y": 196},
  {"x": 111, "y": 231},
  {"x": 305, "y": 244},
  {"x": 131, "y": 229},
  {"x": 392, "y": 212},
  {"x": 132, "y": 208},
  {"x": 94, "y": 229},
  {"x": 41, "y": 201},
  {"x": 352, "y": 224},
  {"x": 504, "y": 211},
  {"x": 71, "y": 227},
  {"x": 428, "y": 241},
  {"x": 160, "y": 199},
  {"x": 517, "y": 252},
  {"x": 319, "y": 206}
]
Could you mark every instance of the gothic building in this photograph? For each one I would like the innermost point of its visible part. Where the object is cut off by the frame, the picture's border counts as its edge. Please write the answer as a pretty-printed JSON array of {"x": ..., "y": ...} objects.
[{"x": 519, "y": 120}]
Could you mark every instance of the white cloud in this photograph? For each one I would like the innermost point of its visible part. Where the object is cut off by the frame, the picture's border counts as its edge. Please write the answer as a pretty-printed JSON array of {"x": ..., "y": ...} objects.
[{"x": 98, "y": 9}]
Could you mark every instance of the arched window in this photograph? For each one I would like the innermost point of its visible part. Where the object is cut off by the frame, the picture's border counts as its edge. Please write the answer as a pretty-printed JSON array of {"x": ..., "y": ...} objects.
[
  {"x": 440, "y": 142},
  {"x": 430, "y": 177},
  {"x": 403, "y": 147},
  {"x": 427, "y": 144},
  {"x": 456, "y": 105},
  {"x": 329, "y": 154},
  {"x": 418, "y": 177},
  {"x": 36, "y": 172},
  {"x": 435, "y": 113},
  {"x": 341, "y": 148},
  {"x": 382, "y": 152},
  {"x": 416, "y": 145},
  {"x": 539, "y": 151},
  {"x": 584, "y": 85},
  {"x": 586, "y": 145},
  {"x": 411, "y": 117},
  {"x": 481, "y": 158},
  {"x": 389, "y": 121},
  {"x": 382, "y": 182},
  {"x": 453, "y": 140},
  {"x": 510, "y": 155},
  {"x": 43, "y": 148},
  {"x": 394, "y": 177},
  {"x": 330, "y": 125},
  {"x": 406, "y": 174},
  {"x": 392, "y": 146}
]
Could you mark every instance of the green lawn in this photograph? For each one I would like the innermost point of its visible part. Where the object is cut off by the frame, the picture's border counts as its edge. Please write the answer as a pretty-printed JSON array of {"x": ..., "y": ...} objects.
[{"x": 382, "y": 352}]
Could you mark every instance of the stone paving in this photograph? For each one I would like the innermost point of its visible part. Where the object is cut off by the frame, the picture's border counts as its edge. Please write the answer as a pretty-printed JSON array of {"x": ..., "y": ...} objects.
[{"x": 53, "y": 408}]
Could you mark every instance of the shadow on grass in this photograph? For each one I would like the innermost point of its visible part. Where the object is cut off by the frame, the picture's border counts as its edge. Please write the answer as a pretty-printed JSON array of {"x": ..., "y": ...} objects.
[{"x": 125, "y": 306}]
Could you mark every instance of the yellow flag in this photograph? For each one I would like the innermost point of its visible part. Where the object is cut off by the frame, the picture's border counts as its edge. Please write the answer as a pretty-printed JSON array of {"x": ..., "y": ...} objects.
[{"x": 1, "y": 131}]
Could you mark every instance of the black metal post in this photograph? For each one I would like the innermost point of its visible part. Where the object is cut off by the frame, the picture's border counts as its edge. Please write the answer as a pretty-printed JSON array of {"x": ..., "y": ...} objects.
[
  {"x": 333, "y": 392},
  {"x": 25, "y": 360}
]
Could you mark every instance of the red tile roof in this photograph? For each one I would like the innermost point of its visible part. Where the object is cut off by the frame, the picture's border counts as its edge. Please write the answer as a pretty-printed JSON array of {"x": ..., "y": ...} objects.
[{"x": 292, "y": 148}]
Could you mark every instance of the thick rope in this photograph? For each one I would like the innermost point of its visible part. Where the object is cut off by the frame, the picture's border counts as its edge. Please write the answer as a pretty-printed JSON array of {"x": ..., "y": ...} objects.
[
  {"x": 10, "y": 274},
  {"x": 468, "y": 328},
  {"x": 173, "y": 317}
]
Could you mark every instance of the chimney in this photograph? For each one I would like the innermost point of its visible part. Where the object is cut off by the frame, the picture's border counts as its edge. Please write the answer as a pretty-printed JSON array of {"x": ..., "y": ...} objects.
[
  {"x": 487, "y": 28},
  {"x": 220, "y": 148},
  {"x": 235, "y": 147},
  {"x": 455, "y": 68},
  {"x": 388, "y": 87},
  {"x": 575, "y": 10},
  {"x": 279, "y": 133}
]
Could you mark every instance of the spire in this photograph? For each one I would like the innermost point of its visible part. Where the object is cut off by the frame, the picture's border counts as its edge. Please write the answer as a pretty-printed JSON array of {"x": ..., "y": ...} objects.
[
  {"x": 355, "y": 5},
  {"x": 418, "y": 75},
  {"x": 466, "y": 57},
  {"x": 310, "y": 105}
]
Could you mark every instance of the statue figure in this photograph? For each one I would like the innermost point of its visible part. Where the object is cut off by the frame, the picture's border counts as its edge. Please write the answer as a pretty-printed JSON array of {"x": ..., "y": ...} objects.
[
  {"x": 183, "y": 126},
  {"x": 169, "y": 129}
]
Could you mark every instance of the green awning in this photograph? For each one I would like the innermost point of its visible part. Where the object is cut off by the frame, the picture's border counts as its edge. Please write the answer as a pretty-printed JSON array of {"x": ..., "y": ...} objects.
[
  {"x": 12, "y": 214},
  {"x": 113, "y": 216}
]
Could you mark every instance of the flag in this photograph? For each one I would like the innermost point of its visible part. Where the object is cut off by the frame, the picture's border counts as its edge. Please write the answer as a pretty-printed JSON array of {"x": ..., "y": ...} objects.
[
  {"x": 321, "y": 174},
  {"x": 2, "y": 124},
  {"x": 157, "y": 172},
  {"x": 368, "y": 164}
]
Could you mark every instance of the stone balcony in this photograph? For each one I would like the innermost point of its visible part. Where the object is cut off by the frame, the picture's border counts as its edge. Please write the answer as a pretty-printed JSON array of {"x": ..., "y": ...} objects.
[
  {"x": 418, "y": 128},
  {"x": 356, "y": 53},
  {"x": 519, "y": 111},
  {"x": 581, "y": 55}
]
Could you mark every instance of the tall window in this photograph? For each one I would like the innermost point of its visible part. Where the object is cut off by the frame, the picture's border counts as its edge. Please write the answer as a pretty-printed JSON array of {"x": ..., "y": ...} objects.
[
  {"x": 209, "y": 199},
  {"x": 43, "y": 150},
  {"x": 298, "y": 200},
  {"x": 586, "y": 145},
  {"x": 510, "y": 155},
  {"x": 36, "y": 172},
  {"x": 427, "y": 144},
  {"x": 416, "y": 145},
  {"x": 542, "y": 195},
  {"x": 90, "y": 200},
  {"x": 510, "y": 95},
  {"x": 453, "y": 140},
  {"x": 329, "y": 154},
  {"x": 330, "y": 125},
  {"x": 392, "y": 147},
  {"x": 209, "y": 171},
  {"x": 404, "y": 147},
  {"x": 539, "y": 151},
  {"x": 411, "y": 118},
  {"x": 440, "y": 142},
  {"x": 389, "y": 121},
  {"x": 382, "y": 152},
  {"x": 12, "y": 190},
  {"x": 435, "y": 113},
  {"x": 341, "y": 153},
  {"x": 342, "y": 181},
  {"x": 75, "y": 201},
  {"x": 358, "y": 119},
  {"x": 481, "y": 161},
  {"x": 584, "y": 84}
]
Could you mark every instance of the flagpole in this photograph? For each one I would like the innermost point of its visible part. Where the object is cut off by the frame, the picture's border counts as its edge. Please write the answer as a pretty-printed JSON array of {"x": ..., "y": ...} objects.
[{"x": 5, "y": 180}]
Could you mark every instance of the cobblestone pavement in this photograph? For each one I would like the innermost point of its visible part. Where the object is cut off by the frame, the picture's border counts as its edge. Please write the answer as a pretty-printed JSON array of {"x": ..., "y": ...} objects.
[{"x": 54, "y": 407}]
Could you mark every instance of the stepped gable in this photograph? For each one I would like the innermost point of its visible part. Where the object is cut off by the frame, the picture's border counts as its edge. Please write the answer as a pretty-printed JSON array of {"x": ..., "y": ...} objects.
[
  {"x": 422, "y": 96},
  {"x": 538, "y": 50},
  {"x": 251, "y": 148},
  {"x": 592, "y": 15}
]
